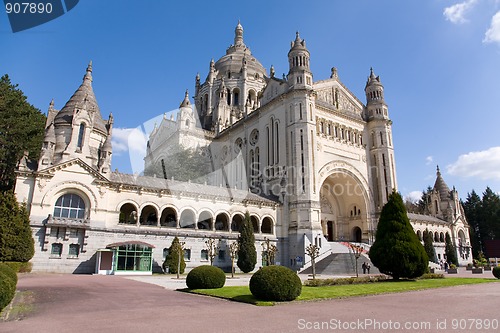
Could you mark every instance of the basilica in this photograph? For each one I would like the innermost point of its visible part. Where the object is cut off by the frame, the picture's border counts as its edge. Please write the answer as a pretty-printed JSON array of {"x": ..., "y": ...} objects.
[{"x": 307, "y": 160}]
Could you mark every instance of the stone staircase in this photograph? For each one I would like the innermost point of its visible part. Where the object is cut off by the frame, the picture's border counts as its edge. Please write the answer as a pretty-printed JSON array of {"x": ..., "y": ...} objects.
[{"x": 341, "y": 262}]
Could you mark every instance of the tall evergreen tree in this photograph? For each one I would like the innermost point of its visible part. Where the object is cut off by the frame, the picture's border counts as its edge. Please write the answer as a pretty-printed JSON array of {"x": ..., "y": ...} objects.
[
  {"x": 247, "y": 253},
  {"x": 490, "y": 213},
  {"x": 450, "y": 251},
  {"x": 429, "y": 246},
  {"x": 472, "y": 208},
  {"x": 423, "y": 203},
  {"x": 397, "y": 250},
  {"x": 175, "y": 252},
  {"x": 16, "y": 241},
  {"x": 21, "y": 129}
]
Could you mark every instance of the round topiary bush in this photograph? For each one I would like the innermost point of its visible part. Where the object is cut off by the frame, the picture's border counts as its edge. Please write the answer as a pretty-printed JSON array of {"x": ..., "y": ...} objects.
[
  {"x": 275, "y": 283},
  {"x": 496, "y": 272},
  {"x": 206, "y": 277}
]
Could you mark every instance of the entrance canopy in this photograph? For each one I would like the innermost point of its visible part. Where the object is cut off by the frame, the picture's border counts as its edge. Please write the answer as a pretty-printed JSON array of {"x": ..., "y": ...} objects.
[{"x": 125, "y": 258}]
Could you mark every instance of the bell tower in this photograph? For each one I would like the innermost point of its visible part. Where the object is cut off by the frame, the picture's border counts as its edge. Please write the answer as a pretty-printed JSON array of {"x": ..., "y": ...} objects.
[
  {"x": 299, "y": 75},
  {"x": 380, "y": 147}
]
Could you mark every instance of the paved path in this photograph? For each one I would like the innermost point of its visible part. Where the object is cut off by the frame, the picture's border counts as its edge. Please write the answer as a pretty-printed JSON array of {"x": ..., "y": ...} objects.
[{"x": 85, "y": 303}]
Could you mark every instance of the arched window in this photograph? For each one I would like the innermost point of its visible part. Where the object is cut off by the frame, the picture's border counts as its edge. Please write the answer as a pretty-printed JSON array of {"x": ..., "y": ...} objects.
[
  {"x": 81, "y": 134},
  {"x": 70, "y": 206},
  {"x": 236, "y": 97}
]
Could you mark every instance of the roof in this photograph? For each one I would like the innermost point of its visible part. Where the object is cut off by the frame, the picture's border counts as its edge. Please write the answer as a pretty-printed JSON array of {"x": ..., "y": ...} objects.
[
  {"x": 189, "y": 188},
  {"x": 130, "y": 243},
  {"x": 441, "y": 187},
  {"x": 83, "y": 97},
  {"x": 424, "y": 218}
]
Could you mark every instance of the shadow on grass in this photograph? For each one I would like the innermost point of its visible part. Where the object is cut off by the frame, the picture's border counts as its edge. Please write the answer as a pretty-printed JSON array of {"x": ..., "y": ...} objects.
[{"x": 242, "y": 298}]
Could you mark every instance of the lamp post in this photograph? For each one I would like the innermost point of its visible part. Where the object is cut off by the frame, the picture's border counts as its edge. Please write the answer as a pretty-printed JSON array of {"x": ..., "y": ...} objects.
[{"x": 357, "y": 253}]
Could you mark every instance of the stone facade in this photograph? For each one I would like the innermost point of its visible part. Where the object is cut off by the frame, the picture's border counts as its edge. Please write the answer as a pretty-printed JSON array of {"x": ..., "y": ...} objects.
[{"x": 308, "y": 160}]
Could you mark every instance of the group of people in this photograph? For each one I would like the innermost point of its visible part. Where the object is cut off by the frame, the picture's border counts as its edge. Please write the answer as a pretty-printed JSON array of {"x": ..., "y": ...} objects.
[{"x": 366, "y": 268}]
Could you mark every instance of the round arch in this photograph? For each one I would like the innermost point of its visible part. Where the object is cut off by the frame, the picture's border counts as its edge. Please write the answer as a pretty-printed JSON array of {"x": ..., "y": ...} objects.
[
  {"x": 356, "y": 234},
  {"x": 88, "y": 196},
  {"x": 205, "y": 220},
  {"x": 255, "y": 223},
  {"x": 222, "y": 222},
  {"x": 267, "y": 226},
  {"x": 236, "y": 222},
  {"x": 128, "y": 213},
  {"x": 149, "y": 215},
  {"x": 168, "y": 217},
  {"x": 187, "y": 219},
  {"x": 345, "y": 203}
]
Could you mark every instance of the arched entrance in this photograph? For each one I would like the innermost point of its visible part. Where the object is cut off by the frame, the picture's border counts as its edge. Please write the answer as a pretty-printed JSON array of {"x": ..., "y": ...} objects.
[
  {"x": 356, "y": 235},
  {"x": 344, "y": 207},
  {"x": 329, "y": 228}
]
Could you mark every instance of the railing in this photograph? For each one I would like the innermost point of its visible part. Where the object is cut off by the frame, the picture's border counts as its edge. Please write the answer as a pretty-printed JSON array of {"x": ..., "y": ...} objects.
[{"x": 66, "y": 221}]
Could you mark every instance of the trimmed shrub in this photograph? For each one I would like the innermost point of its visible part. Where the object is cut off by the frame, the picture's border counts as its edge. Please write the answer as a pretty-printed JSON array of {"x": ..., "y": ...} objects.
[
  {"x": 19, "y": 267},
  {"x": 206, "y": 277},
  {"x": 172, "y": 259},
  {"x": 5, "y": 269},
  {"x": 428, "y": 276},
  {"x": 8, "y": 282},
  {"x": 496, "y": 272},
  {"x": 344, "y": 281},
  {"x": 247, "y": 255},
  {"x": 275, "y": 283},
  {"x": 397, "y": 251}
]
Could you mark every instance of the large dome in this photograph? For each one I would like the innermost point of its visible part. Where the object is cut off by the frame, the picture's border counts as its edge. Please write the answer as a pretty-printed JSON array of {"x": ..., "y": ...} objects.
[{"x": 235, "y": 54}]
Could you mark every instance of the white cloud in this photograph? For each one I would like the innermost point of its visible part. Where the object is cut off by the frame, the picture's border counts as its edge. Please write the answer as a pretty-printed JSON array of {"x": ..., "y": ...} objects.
[
  {"x": 484, "y": 165},
  {"x": 492, "y": 35},
  {"x": 429, "y": 160},
  {"x": 413, "y": 196},
  {"x": 132, "y": 141},
  {"x": 456, "y": 13}
]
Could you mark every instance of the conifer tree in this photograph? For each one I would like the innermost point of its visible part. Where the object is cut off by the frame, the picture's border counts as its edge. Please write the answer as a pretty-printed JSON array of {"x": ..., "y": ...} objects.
[
  {"x": 397, "y": 250},
  {"x": 450, "y": 251},
  {"x": 429, "y": 246},
  {"x": 16, "y": 241},
  {"x": 21, "y": 129},
  {"x": 172, "y": 259},
  {"x": 247, "y": 254}
]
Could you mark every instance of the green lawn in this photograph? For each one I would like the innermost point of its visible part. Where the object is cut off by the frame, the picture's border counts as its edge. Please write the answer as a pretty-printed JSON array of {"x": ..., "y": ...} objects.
[{"x": 243, "y": 294}]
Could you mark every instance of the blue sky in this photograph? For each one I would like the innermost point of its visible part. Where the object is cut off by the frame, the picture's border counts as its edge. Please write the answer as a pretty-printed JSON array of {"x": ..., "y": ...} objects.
[{"x": 439, "y": 61}]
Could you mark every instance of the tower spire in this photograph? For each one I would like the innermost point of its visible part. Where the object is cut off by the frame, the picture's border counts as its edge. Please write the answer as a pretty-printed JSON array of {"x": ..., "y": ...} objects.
[
  {"x": 238, "y": 35},
  {"x": 185, "y": 102}
]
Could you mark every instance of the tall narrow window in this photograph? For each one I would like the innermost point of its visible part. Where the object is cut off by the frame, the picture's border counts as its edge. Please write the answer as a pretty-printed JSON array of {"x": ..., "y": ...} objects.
[
  {"x": 236, "y": 97},
  {"x": 276, "y": 143},
  {"x": 163, "y": 168},
  {"x": 81, "y": 134}
]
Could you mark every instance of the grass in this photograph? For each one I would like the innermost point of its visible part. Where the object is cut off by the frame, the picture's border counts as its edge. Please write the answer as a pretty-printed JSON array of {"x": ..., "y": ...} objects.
[
  {"x": 243, "y": 294},
  {"x": 20, "y": 307}
]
